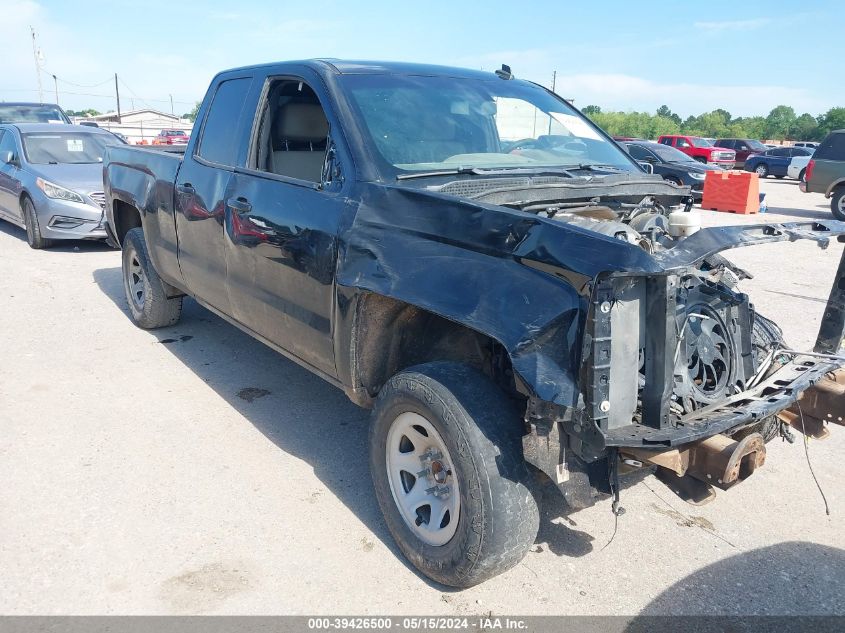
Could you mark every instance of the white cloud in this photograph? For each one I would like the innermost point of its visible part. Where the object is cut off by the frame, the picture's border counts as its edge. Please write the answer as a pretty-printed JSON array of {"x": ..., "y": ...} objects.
[
  {"x": 734, "y": 25},
  {"x": 627, "y": 92}
]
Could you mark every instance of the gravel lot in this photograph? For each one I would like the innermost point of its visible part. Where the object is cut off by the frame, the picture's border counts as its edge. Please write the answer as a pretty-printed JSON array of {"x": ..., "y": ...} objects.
[{"x": 193, "y": 470}]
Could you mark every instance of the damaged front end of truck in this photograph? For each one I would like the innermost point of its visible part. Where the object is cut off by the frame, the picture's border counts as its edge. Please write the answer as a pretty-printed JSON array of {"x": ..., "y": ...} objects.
[
  {"x": 626, "y": 331},
  {"x": 679, "y": 372}
]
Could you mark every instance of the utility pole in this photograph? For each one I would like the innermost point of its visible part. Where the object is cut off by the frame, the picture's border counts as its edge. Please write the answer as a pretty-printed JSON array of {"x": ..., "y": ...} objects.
[
  {"x": 37, "y": 65},
  {"x": 171, "y": 104},
  {"x": 56, "y": 86},
  {"x": 117, "y": 96}
]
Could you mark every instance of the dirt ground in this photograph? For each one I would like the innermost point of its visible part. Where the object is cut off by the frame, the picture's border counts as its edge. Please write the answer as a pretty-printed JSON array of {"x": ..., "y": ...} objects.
[{"x": 193, "y": 470}]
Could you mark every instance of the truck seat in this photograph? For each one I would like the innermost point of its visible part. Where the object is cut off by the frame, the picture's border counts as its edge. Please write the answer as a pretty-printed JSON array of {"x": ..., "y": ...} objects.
[{"x": 300, "y": 133}]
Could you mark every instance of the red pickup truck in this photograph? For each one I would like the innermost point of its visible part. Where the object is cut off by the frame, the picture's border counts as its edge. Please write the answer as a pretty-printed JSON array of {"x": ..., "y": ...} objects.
[{"x": 700, "y": 149}]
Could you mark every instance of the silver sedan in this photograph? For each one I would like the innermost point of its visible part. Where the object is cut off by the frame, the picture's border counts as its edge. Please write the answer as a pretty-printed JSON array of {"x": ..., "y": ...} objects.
[{"x": 51, "y": 180}]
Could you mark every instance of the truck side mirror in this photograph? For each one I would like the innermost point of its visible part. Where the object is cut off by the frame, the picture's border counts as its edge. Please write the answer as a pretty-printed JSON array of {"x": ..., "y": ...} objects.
[{"x": 8, "y": 158}]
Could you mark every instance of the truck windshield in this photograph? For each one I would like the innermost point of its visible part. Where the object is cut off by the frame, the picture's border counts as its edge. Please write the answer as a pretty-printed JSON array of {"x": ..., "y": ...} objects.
[
  {"x": 701, "y": 142},
  {"x": 63, "y": 148},
  {"x": 425, "y": 123}
]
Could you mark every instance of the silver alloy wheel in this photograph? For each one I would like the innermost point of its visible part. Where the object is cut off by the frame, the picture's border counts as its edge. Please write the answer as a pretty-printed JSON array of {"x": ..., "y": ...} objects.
[
  {"x": 135, "y": 281},
  {"x": 761, "y": 170},
  {"x": 841, "y": 204},
  {"x": 423, "y": 483}
]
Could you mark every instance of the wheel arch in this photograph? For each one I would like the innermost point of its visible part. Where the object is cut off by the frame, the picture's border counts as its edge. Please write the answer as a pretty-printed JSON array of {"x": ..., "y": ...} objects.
[
  {"x": 125, "y": 217},
  {"x": 389, "y": 335},
  {"x": 840, "y": 182}
]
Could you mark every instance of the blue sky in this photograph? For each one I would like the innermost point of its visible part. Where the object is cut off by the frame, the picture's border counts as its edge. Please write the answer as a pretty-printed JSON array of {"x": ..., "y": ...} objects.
[{"x": 625, "y": 55}]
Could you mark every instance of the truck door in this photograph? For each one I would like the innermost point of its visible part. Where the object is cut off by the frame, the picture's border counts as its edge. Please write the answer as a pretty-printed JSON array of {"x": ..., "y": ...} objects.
[
  {"x": 282, "y": 221},
  {"x": 202, "y": 187}
]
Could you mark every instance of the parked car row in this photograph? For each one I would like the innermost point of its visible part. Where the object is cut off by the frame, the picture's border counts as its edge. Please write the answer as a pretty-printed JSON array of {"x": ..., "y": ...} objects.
[{"x": 775, "y": 162}]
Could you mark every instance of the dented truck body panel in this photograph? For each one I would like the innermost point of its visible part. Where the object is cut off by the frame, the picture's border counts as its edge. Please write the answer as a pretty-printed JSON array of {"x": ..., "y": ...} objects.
[{"x": 592, "y": 320}]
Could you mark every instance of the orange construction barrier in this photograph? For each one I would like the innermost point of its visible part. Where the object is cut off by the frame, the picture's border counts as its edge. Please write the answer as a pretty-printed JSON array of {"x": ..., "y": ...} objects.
[{"x": 733, "y": 191}]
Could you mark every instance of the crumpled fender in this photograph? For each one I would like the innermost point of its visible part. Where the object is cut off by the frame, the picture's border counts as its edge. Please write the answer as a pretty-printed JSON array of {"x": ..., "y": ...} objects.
[
  {"x": 523, "y": 280},
  {"x": 519, "y": 279}
]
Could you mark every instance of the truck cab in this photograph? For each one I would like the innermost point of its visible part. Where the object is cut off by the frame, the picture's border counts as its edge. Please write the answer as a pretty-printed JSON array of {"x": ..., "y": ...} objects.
[{"x": 700, "y": 149}]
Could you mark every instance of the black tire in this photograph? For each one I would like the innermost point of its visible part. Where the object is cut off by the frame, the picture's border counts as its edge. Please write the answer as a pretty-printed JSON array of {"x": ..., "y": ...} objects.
[
  {"x": 837, "y": 203},
  {"x": 33, "y": 228},
  {"x": 149, "y": 306},
  {"x": 802, "y": 176},
  {"x": 762, "y": 170},
  {"x": 701, "y": 159},
  {"x": 674, "y": 180},
  {"x": 482, "y": 431}
]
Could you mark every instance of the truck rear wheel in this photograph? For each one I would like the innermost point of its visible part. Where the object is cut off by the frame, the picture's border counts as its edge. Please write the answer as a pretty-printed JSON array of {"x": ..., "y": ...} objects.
[
  {"x": 447, "y": 467},
  {"x": 149, "y": 306}
]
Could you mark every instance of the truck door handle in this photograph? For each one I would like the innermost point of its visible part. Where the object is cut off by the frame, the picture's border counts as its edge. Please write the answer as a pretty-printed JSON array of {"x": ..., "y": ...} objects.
[
  {"x": 186, "y": 187},
  {"x": 239, "y": 205}
]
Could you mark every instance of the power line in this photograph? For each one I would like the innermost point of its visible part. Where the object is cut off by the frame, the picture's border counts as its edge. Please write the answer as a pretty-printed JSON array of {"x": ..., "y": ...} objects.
[
  {"x": 70, "y": 83},
  {"x": 105, "y": 96},
  {"x": 147, "y": 99}
]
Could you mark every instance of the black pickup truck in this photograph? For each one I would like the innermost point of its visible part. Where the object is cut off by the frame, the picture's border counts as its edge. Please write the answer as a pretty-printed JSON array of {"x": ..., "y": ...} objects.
[{"x": 517, "y": 299}]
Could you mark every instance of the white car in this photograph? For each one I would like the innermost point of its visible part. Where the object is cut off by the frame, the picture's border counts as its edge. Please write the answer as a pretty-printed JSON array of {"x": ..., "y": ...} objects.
[{"x": 798, "y": 166}]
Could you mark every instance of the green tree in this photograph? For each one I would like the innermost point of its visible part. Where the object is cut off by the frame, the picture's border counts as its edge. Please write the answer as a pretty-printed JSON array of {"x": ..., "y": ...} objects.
[
  {"x": 192, "y": 115},
  {"x": 664, "y": 112},
  {"x": 779, "y": 122},
  {"x": 724, "y": 115},
  {"x": 833, "y": 119},
  {"x": 804, "y": 128},
  {"x": 86, "y": 112}
]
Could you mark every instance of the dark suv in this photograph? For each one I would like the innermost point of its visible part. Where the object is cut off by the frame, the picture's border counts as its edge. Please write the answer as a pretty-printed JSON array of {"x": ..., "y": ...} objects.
[
  {"x": 826, "y": 172},
  {"x": 744, "y": 147}
]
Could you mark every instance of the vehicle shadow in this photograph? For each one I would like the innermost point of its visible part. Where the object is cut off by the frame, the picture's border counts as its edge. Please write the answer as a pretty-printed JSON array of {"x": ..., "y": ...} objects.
[
  {"x": 63, "y": 246},
  {"x": 297, "y": 411},
  {"x": 557, "y": 525},
  {"x": 787, "y": 579}
]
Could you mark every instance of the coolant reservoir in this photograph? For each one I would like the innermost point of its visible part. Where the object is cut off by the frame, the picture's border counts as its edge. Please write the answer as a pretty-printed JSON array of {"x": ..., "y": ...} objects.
[{"x": 684, "y": 223}]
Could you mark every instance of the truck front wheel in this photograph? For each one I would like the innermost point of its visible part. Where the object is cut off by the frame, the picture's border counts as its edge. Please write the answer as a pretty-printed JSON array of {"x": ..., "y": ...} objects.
[
  {"x": 447, "y": 467},
  {"x": 149, "y": 306}
]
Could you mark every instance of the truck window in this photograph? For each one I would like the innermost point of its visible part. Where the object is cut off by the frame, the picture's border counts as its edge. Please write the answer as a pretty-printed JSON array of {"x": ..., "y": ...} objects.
[
  {"x": 293, "y": 132},
  {"x": 219, "y": 142},
  {"x": 832, "y": 148}
]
